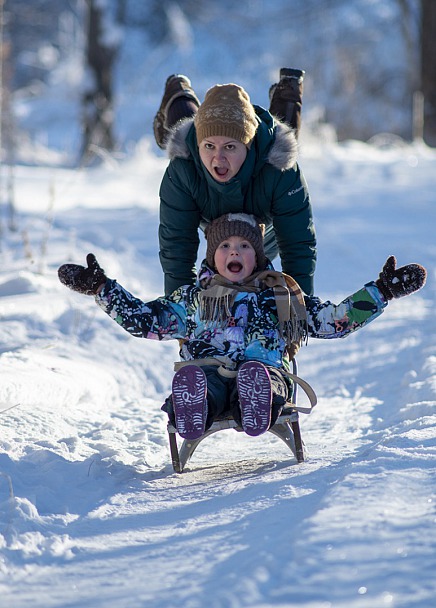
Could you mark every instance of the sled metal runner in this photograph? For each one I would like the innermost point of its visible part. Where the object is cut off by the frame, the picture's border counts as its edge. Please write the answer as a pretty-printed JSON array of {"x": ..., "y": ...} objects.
[{"x": 286, "y": 427}]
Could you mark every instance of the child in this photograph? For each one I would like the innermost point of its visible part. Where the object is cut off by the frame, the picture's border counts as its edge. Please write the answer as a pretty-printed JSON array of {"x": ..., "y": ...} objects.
[{"x": 237, "y": 325}]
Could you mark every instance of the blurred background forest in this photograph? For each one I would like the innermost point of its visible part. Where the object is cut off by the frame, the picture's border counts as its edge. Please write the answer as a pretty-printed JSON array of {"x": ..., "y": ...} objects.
[{"x": 84, "y": 75}]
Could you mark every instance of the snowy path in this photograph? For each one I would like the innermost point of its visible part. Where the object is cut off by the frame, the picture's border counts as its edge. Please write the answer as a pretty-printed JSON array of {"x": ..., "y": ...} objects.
[{"x": 91, "y": 513}]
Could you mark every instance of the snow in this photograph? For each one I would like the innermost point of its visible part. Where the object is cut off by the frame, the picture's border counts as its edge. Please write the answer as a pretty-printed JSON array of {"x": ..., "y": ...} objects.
[{"x": 91, "y": 512}]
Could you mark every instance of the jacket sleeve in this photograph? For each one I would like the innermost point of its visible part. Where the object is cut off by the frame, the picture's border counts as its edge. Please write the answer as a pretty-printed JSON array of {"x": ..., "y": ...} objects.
[
  {"x": 294, "y": 228},
  {"x": 161, "y": 319},
  {"x": 178, "y": 227},
  {"x": 327, "y": 320}
]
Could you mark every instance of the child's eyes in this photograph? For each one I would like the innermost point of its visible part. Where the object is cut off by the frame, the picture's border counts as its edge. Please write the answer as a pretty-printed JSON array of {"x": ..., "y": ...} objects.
[{"x": 242, "y": 245}]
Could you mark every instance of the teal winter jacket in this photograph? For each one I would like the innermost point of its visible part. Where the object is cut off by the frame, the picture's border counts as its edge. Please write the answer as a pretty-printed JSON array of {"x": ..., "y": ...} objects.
[{"x": 269, "y": 185}]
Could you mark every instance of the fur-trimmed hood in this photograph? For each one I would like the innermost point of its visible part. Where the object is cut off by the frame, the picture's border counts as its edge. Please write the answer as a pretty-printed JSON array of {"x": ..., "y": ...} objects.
[{"x": 281, "y": 151}]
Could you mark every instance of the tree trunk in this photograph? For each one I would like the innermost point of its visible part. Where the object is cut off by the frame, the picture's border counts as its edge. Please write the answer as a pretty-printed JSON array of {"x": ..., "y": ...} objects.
[
  {"x": 428, "y": 69},
  {"x": 97, "y": 101}
]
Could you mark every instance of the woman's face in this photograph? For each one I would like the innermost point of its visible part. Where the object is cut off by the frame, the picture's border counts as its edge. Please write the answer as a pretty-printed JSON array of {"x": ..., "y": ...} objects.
[{"x": 222, "y": 156}]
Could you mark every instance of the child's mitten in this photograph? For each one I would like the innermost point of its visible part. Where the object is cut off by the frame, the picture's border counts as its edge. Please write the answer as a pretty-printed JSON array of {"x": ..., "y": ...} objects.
[
  {"x": 398, "y": 282},
  {"x": 81, "y": 279}
]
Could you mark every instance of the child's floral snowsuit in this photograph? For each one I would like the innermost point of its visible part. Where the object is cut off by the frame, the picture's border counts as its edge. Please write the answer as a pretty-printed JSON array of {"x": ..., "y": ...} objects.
[{"x": 252, "y": 329}]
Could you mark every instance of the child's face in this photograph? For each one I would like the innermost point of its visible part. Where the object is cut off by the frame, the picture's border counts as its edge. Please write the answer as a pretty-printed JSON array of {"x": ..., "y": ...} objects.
[
  {"x": 222, "y": 156},
  {"x": 235, "y": 259}
]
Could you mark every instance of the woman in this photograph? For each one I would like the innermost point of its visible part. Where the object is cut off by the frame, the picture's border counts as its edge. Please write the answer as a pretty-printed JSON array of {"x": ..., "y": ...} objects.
[{"x": 230, "y": 156}]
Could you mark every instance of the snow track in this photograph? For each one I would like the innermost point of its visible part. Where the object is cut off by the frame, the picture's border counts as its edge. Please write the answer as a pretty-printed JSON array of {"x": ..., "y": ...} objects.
[{"x": 91, "y": 513}]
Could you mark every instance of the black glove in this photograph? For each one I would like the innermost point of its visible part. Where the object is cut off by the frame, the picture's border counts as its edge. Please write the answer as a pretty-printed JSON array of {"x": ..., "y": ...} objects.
[
  {"x": 81, "y": 279},
  {"x": 398, "y": 282}
]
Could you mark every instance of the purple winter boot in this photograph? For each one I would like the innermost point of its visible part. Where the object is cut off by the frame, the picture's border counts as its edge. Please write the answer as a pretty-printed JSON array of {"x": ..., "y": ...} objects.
[
  {"x": 255, "y": 397},
  {"x": 189, "y": 391}
]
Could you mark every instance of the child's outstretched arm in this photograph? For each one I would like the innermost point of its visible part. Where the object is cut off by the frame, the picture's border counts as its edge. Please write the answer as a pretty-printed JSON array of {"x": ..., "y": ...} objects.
[
  {"x": 161, "y": 319},
  {"x": 328, "y": 320}
]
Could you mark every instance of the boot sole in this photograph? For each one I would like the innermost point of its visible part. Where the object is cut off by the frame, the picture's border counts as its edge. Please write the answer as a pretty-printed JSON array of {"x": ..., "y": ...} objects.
[
  {"x": 255, "y": 397},
  {"x": 189, "y": 390}
]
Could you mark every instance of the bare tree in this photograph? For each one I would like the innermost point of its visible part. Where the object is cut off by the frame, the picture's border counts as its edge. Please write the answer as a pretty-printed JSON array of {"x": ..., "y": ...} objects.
[
  {"x": 98, "y": 98},
  {"x": 7, "y": 124},
  {"x": 428, "y": 68}
]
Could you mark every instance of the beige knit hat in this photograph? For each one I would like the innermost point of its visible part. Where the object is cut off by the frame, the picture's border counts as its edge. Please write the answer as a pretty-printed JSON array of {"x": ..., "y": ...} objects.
[
  {"x": 235, "y": 224},
  {"x": 226, "y": 110}
]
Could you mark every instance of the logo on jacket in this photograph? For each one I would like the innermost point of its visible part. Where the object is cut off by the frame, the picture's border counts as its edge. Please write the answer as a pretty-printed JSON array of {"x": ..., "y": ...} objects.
[{"x": 292, "y": 192}]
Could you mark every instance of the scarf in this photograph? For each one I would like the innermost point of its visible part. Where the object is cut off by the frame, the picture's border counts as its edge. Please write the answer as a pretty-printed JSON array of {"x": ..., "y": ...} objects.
[{"x": 218, "y": 296}]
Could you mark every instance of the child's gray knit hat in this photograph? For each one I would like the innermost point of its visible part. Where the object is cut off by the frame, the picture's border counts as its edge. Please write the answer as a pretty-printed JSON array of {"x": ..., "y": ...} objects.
[{"x": 235, "y": 224}]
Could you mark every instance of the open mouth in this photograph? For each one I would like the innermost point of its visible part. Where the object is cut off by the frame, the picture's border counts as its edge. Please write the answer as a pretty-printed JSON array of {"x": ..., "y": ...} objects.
[
  {"x": 234, "y": 267},
  {"x": 221, "y": 171}
]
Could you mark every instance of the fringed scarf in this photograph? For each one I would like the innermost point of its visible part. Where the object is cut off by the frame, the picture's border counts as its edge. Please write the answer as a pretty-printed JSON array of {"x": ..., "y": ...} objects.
[{"x": 218, "y": 296}]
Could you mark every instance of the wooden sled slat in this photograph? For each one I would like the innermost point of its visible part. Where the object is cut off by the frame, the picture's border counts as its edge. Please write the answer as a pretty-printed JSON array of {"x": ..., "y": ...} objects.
[{"x": 286, "y": 428}]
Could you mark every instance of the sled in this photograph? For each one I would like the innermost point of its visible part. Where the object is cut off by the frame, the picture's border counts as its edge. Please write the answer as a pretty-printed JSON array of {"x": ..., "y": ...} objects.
[{"x": 286, "y": 428}]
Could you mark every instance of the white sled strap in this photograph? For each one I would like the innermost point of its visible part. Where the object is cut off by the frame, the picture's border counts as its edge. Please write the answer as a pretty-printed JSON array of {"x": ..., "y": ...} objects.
[
  {"x": 311, "y": 395},
  {"x": 224, "y": 362}
]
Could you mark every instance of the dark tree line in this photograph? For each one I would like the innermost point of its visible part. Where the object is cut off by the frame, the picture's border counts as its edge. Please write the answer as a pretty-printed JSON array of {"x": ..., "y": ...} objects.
[{"x": 25, "y": 24}]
